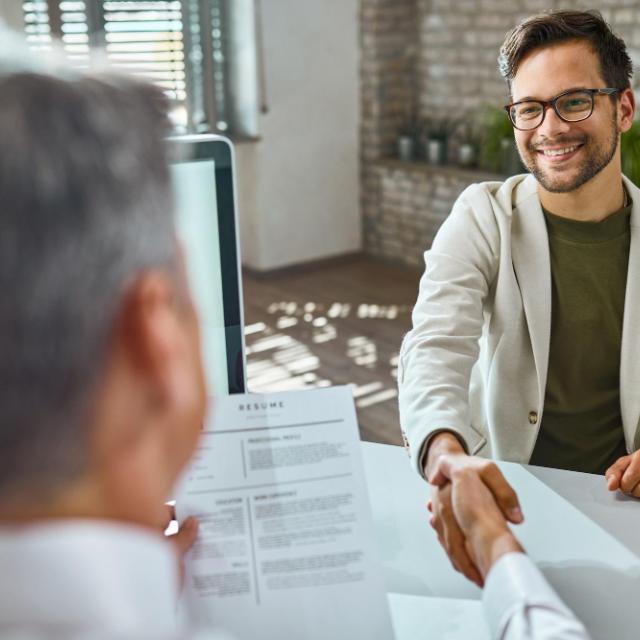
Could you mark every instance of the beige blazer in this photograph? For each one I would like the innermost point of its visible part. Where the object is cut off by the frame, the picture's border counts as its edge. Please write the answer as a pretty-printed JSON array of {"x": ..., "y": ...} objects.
[{"x": 476, "y": 359}]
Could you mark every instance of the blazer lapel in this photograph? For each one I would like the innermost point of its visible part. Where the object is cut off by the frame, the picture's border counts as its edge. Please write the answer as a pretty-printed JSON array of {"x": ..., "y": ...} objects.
[
  {"x": 630, "y": 351},
  {"x": 532, "y": 266}
]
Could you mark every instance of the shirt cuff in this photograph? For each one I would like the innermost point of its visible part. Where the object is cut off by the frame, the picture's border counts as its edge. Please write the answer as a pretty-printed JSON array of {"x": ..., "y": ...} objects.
[
  {"x": 513, "y": 583},
  {"x": 422, "y": 454}
]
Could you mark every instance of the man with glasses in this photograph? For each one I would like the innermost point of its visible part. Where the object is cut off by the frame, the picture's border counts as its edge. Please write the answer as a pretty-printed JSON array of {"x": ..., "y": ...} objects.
[{"x": 528, "y": 317}]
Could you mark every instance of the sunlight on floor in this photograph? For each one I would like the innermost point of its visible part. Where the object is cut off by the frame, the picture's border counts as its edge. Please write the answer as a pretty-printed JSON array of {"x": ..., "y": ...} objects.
[{"x": 278, "y": 360}]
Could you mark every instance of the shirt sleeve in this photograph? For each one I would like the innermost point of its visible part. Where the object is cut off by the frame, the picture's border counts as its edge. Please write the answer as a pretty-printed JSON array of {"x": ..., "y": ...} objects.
[
  {"x": 520, "y": 604},
  {"x": 439, "y": 352}
]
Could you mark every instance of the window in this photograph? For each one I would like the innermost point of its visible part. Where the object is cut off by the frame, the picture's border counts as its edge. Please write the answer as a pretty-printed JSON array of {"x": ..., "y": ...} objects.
[
  {"x": 36, "y": 24},
  {"x": 191, "y": 48}
]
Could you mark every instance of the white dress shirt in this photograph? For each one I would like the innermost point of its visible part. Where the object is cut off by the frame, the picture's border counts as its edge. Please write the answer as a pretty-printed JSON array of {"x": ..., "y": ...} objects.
[
  {"x": 89, "y": 579},
  {"x": 520, "y": 604},
  {"x": 95, "y": 580}
]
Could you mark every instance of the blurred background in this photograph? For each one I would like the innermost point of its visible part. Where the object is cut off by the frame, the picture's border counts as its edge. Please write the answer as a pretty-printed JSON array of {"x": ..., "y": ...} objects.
[{"x": 356, "y": 124}]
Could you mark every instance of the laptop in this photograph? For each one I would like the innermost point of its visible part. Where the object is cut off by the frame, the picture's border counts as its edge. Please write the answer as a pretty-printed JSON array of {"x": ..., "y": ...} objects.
[{"x": 202, "y": 172}]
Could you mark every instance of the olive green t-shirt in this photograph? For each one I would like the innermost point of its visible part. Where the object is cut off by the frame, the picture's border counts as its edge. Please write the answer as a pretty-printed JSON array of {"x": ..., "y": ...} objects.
[{"x": 581, "y": 425}]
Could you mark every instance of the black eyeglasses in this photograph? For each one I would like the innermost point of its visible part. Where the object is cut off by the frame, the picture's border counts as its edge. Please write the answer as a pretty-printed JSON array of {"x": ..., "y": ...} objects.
[{"x": 571, "y": 106}]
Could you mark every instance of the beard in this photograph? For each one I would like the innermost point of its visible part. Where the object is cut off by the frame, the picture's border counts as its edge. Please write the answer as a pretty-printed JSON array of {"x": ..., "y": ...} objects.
[{"x": 597, "y": 157}]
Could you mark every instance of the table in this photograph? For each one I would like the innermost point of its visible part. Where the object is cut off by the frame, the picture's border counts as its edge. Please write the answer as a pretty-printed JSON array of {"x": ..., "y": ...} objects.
[{"x": 585, "y": 540}]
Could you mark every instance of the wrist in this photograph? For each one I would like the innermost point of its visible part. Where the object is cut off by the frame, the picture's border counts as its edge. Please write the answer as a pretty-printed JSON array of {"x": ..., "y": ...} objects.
[
  {"x": 442, "y": 443},
  {"x": 489, "y": 544}
]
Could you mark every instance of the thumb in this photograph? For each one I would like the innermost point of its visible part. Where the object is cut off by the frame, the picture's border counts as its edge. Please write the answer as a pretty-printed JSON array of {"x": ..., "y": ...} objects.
[
  {"x": 613, "y": 474},
  {"x": 441, "y": 473},
  {"x": 613, "y": 480},
  {"x": 505, "y": 497},
  {"x": 186, "y": 536}
]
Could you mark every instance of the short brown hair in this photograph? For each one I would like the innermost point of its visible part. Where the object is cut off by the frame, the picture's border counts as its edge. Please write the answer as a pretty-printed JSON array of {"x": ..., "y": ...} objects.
[{"x": 555, "y": 27}]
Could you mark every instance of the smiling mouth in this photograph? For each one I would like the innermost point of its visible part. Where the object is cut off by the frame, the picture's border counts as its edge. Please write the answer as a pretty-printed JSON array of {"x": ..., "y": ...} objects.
[{"x": 559, "y": 152}]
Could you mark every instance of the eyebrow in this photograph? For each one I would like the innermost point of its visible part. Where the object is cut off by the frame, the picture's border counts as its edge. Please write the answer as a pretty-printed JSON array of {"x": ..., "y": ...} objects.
[{"x": 533, "y": 99}]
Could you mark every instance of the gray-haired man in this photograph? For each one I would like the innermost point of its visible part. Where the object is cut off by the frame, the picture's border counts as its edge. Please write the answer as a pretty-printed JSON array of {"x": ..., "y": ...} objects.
[{"x": 101, "y": 380}]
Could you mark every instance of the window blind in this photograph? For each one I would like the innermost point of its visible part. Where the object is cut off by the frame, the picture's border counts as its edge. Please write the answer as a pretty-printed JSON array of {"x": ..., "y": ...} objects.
[
  {"x": 139, "y": 37},
  {"x": 201, "y": 52},
  {"x": 145, "y": 38},
  {"x": 36, "y": 24}
]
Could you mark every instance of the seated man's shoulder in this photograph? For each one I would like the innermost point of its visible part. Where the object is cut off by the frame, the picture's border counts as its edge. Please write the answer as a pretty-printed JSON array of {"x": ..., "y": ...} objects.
[
  {"x": 488, "y": 202},
  {"x": 495, "y": 194}
]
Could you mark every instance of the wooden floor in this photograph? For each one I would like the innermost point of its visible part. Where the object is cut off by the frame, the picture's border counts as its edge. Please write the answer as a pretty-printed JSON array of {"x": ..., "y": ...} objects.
[{"x": 340, "y": 323}]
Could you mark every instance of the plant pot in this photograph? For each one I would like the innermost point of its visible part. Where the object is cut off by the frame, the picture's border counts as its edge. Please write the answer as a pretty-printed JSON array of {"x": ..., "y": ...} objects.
[
  {"x": 436, "y": 151},
  {"x": 405, "y": 146},
  {"x": 466, "y": 155}
]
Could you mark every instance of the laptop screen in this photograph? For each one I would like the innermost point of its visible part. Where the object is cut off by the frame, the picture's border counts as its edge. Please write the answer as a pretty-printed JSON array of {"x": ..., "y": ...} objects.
[{"x": 206, "y": 224}]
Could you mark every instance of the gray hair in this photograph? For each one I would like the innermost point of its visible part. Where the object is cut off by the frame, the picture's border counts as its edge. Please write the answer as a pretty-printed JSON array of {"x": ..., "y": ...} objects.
[{"x": 85, "y": 206}]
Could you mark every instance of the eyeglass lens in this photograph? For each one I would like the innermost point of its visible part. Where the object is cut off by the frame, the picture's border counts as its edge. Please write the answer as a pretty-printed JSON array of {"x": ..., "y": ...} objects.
[{"x": 572, "y": 107}]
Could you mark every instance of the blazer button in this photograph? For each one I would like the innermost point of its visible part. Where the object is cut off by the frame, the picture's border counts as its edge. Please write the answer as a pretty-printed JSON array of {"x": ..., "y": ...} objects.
[{"x": 533, "y": 417}]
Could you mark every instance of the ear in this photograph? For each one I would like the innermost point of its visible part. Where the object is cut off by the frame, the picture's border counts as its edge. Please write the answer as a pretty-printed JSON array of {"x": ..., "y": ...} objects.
[
  {"x": 626, "y": 109},
  {"x": 151, "y": 334},
  {"x": 160, "y": 332}
]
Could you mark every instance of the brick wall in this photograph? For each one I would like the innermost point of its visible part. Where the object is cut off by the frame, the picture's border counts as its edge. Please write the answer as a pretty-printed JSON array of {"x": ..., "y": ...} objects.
[
  {"x": 389, "y": 44},
  {"x": 434, "y": 58},
  {"x": 458, "y": 43},
  {"x": 412, "y": 200}
]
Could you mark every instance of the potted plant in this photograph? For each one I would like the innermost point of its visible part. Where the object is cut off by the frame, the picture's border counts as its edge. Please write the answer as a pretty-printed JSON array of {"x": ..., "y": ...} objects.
[
  {"x": 498, "y": 152},
  {"x": 630, "y": 152}
]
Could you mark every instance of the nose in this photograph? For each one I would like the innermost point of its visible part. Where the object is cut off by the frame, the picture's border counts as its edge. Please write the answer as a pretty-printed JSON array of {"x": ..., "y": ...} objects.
[{"x": 553, "y": 125}]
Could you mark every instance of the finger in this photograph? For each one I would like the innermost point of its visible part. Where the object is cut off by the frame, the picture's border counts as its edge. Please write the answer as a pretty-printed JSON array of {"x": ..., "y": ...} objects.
[
  {"x": 631, "y": 476},
  {"x": 505, "y": 496},
  {"x": 436, "y": 523},
  {"x": 441, "y": 473},
  {"x": 469, "y": 551},
  {"x": 435, "y": 520},
  {"x": 615, "y": 472},
  {"x": 170, "y": 514},
  {"x": 186, "y": 536},
  {"x": 456, "y": 548},
  {"x": 455, "y": 542}
]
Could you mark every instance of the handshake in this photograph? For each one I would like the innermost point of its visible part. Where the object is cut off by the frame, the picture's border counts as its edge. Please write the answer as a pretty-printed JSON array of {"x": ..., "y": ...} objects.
[{"x": 472, "y": 504}]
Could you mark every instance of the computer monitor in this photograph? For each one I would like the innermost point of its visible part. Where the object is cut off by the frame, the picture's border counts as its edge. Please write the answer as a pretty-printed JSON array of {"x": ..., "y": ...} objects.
[{"x": 203, "y": 181}]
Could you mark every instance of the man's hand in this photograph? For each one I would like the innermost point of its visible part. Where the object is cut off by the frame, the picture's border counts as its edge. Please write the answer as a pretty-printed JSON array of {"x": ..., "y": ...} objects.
[
  {"x": 183, "y": 539},
  {"x": 482, "y": 523},
  {"x": 443, "y": 519},
  {"x": 624, "y": 474}
]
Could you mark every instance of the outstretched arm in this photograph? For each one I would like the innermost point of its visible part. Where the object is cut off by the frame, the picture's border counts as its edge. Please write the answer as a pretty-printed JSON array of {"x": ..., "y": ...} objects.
[{"x": 519, "y": 603}]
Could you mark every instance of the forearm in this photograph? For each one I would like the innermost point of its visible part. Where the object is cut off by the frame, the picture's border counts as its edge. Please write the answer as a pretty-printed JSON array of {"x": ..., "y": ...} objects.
[{"x": 487, "y": 547}]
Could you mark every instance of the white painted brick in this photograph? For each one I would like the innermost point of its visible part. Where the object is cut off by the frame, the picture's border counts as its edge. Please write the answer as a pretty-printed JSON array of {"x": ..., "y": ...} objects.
[{"x": 624, "y": 16}]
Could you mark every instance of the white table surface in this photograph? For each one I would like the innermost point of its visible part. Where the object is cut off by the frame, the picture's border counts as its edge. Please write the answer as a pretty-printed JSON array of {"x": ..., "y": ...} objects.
[{"x": 584, "y": 539}]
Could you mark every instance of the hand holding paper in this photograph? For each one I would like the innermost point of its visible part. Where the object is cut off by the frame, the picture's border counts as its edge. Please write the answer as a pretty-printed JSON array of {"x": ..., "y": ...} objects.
[{"x": 285, "y": 546}]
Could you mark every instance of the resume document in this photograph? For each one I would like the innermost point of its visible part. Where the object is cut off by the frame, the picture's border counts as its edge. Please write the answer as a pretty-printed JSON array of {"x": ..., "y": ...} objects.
[{"x": 285, "y": 547}]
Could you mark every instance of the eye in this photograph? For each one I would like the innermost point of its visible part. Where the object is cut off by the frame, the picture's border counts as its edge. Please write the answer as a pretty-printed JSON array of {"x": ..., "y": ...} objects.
[
  {"x": 575, "y": 102},
  {"x": 528, "y": 110}
]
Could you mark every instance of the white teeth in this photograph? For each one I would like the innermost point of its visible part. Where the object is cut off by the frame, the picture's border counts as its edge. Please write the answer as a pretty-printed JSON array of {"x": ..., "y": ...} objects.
[{"x": 559, "y": 152}]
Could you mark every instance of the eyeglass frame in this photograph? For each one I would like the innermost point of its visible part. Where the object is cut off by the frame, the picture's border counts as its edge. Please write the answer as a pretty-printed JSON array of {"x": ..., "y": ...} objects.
[{"x": 609, "y": 91}]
